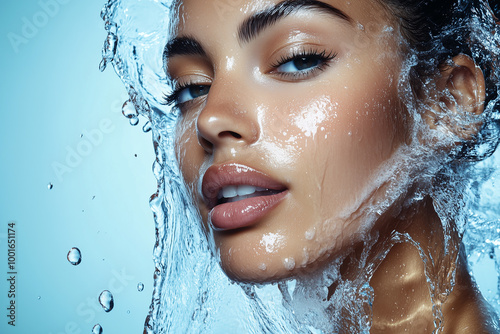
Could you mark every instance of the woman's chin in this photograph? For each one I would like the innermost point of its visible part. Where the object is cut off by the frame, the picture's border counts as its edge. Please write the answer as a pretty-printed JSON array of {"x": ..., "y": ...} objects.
[{"x": 247, "y": 267}]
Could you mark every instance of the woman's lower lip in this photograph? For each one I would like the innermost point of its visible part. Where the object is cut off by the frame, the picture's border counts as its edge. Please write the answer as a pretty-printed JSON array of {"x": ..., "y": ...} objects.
[{"x": 243, "y": 213}]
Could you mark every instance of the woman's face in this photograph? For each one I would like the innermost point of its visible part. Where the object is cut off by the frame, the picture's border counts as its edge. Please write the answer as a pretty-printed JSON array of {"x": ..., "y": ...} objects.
[{"x": 289, "y": 110}]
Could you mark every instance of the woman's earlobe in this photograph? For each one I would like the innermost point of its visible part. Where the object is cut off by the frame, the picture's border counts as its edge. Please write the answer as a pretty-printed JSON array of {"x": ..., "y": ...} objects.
[{"x": 461, "y": 96}]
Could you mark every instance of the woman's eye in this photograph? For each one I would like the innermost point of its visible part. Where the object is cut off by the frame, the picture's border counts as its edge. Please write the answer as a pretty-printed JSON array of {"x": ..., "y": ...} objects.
[
  {"x": 191, "y": 92},
  {"x": 299, "y": 64}
]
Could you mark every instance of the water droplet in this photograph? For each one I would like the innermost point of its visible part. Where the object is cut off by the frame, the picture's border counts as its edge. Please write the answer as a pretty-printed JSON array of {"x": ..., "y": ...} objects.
[
  {"x": 128, "y": 311},
  {"x": 97, "y": 329},
  {"x": 157, "y": 170},
  {"x": 128, "y": 110},
  {"x": 289, "y": 263},
  {"x": 104, "y": 12},
  {"x": 109, "y": 49},
  {"x": 50, "y": 186},
  {"x": 103, "y": 64},
  {"x": 93, "y": 197},
  {"x": 140, "y": 286},
  {"x": 74, "y": 256},
  {"x": 106, "y": 300},
  {"x": 147, "y": 127},
  {"x": 110, "y": 27},
  {"x": 135, "y": 155},
  {"x": 39, "y": 297},
  {"x": 134, "y": 121}
]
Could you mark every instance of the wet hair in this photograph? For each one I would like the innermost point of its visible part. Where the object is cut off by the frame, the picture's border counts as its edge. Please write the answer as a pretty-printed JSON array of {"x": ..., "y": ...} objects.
[{"x": 438, "y": 30}]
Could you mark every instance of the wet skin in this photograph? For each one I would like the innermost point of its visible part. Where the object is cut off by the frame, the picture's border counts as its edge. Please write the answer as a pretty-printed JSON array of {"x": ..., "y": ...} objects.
[{"x": 306, "y": 108}]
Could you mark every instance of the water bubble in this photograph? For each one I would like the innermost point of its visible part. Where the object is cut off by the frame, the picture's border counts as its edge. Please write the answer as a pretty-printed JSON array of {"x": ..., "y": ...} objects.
[
  {"x": 147, "y": 127},
  {"x": 50, "y": 186},
  {"x": 74, "y": 256},
  {"x": 140, "y": 286},
  {"x": 128, "y": 110},
  {"x": 134, "y": 121},
  {"x": 97, "y": 329},
  {"x": 106, "y": 300}
]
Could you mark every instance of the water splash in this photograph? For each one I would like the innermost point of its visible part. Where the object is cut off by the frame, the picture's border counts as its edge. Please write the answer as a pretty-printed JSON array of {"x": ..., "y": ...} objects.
[
  {"x": 74, "y": 256},
  {"x": 184, "y": 267},
  {"x": 106, "y": 300}
]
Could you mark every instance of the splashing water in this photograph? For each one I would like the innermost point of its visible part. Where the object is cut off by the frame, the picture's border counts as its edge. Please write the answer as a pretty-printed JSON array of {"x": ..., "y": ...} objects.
[
  {"x": 106, "y": 300},
  {"x": 192, "y": 294},
  {"x": 74, "y": 256}
]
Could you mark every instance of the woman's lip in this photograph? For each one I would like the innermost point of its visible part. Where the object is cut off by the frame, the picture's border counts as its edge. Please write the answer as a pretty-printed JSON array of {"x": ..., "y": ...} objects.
[
  {"x": 244, "y": 212},
  {"x": 219, "y": 176},
  {"x": 229, "y": 216}
]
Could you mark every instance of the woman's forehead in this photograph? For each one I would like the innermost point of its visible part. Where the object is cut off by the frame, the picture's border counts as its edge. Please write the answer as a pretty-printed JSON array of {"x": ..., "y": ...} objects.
[{"x": 195, "y": 15}]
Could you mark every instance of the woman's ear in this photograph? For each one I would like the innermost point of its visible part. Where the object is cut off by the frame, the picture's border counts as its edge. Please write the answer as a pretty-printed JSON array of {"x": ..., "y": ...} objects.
[{"x": 460, "y": 96}]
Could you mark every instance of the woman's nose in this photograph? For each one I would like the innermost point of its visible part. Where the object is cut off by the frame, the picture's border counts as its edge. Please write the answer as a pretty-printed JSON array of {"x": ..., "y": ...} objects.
[{"x": 228, "y": 120}]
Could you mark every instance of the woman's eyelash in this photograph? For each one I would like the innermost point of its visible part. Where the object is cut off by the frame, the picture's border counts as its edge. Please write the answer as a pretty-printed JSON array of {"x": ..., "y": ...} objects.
[
  {"x": 323, "y": 56},
  {"x": 170, "y": 99}
]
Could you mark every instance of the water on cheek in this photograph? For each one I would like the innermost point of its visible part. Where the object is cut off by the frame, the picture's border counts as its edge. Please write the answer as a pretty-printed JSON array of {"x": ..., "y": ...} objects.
[
  {"x": 310, "y": 118},
  {"x": 277, "y": 143},
  {"x": 187, "y": 150}
]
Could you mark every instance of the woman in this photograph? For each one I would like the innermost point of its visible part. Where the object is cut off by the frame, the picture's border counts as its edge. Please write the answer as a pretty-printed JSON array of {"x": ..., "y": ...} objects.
[{"x": 320, "y": 140}]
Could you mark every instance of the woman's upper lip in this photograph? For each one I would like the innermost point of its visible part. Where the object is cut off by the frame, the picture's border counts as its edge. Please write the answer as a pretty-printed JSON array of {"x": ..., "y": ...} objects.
[{"x": 232, "y": 174}]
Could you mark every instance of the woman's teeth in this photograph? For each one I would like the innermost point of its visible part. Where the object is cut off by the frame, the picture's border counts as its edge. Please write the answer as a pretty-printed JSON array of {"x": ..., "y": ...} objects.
[
  {"x": 242, "y": 190},
  {"x": 236, "y": 193}
]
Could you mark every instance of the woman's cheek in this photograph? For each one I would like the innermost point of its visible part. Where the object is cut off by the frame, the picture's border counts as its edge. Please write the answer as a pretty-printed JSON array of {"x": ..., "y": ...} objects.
[{"x": 188, "y": 151}]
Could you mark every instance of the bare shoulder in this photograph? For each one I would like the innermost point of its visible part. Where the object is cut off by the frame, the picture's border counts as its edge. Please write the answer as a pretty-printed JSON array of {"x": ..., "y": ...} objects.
[{"x": 466, "y": 311}]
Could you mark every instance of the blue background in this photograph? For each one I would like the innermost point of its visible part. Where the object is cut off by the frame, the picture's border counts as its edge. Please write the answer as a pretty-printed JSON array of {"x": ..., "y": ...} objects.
[{"x": 51, "y": 93}]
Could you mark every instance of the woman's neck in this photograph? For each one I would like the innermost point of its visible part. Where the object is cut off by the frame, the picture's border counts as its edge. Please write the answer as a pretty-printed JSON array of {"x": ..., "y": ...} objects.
[{"x": 402, "y": 302}]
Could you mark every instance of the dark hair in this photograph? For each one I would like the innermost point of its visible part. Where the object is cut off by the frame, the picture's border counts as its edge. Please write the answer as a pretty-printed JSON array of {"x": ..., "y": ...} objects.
[{"x": 438, "y": 30}]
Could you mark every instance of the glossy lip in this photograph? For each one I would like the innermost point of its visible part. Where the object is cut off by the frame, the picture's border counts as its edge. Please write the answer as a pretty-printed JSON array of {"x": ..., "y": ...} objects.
[{"x": 244, "y": 212}]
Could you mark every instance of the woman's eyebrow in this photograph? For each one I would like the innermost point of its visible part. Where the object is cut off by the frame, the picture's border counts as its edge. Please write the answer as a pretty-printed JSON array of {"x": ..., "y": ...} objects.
[
  {"x": 252, "y": 26},
  {"x": 183, "y": 46},
  {"x": 256, "y": 23}
]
